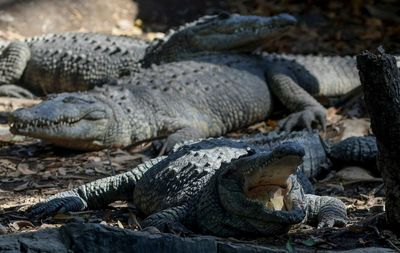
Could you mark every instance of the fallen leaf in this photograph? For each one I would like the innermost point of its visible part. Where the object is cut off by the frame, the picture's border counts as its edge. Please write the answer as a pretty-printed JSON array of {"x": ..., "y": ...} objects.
[
  {"x": 355, "y": 127},
  {"x": 132, "y": 221},
  {"x": 355, "y": 174},
  {"x": 332, "y": 116},
  {"x": 22, "y": 187},
  {"x": 62, "y": 216},
  {"x": 94, "y": 159},
  {"x": 24, "y": 169},
  {"x": 17, "y": 225},
  {"x": 62, "y": 171},
  {"x": 126, "y": 158},
  {"x": 120, "y": 224}
]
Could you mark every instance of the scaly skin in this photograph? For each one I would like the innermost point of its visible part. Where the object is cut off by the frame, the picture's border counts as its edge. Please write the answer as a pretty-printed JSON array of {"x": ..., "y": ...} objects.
[
  {"x": 207, "y": 96},
  {"x": 78, "y": 61},
  {"x": 221, "y": 33},
  {"x": 297, "y": 79},
  {"x": 68, "y": 61},
  {"x": 320, "y": 154},
  {"x": 176, "y": 100},
  {"x": 217, "y": 186}
]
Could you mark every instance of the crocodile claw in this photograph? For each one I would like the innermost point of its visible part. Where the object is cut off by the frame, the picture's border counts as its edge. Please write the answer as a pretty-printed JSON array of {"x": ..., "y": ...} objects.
[
  {"x": 332, "y": 222},
  {"x": 11, "y": 90},
  {"x": 304, "y": 119},
  {"x": 57, "y": 205}
]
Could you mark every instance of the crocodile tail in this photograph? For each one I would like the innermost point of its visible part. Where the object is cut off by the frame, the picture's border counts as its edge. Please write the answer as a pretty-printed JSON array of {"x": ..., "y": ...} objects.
[{"x": 355, "y": 150}]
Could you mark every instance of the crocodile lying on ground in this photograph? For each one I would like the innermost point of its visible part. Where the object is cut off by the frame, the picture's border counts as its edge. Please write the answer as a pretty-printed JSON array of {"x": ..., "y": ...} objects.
[
  {"x": 206, "y": 96},
  {"x": 222, "y": 187},
  {"x": 79, "y": 61},
  {"x": 66, "y": 62}
]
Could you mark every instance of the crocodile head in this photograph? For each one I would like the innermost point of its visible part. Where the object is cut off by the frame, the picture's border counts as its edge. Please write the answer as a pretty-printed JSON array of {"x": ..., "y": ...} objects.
[
  {"x": 223, "y": 32},
  {"x": 255, "y": 194},
  {"x": 79, "y": 121}
]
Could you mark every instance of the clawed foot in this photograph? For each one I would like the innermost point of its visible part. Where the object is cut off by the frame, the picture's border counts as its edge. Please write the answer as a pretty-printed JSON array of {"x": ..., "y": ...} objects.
[
  {"x": 177, "y": 228},
  {"x": 304, "y": 119},
  {"x": 11, "y": 90},
  {"x": 332, "y": 221},
  {"x": 167, "y": 227},
  {"x": 57, "y": 205},
  {"x": 151, "y": 230}
]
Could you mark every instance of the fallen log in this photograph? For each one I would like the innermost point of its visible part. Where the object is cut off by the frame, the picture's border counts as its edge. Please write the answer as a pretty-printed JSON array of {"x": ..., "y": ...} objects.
[{"x": 78, "y": 237}]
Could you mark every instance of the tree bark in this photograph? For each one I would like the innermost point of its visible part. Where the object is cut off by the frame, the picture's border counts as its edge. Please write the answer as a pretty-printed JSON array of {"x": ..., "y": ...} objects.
[{"x": 380, "y": 79}]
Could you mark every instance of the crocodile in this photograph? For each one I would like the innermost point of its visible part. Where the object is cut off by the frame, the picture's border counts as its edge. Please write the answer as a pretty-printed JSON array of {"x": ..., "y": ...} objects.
[
  {"x": 78, "y": 61},
  {"x": 224, "y": 187},
  {"x": 206, "y": 96},
  {"x": 68, "y": 61}
]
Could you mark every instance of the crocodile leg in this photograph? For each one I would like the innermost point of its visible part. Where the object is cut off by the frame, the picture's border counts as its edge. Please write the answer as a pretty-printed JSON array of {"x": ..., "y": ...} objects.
[
  {"x": 94, "y": 195},
  {"x": 170, "y": 218},
  {"x": 183, "y": 134},
  {"x": 306, "y": 109},
  {"x": 326, "y": 211},
  {"x": 13, "y": 60}
]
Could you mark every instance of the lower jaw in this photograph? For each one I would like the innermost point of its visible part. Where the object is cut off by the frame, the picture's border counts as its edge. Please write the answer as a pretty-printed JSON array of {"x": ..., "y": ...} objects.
[
  {"x": 76, "y": 145},
  {"x": 52, "y": 137},
  {"x": 33, "y": 132}
]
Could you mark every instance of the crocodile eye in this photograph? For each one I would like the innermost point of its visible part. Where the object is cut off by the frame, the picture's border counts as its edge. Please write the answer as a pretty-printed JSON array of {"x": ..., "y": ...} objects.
[
  {"x": 250, "y": 151},
  {"x": 75, "y": 100}
]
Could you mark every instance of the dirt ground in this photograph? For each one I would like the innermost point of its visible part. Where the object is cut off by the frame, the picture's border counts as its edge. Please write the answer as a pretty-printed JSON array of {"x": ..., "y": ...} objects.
[{"x": 31, "y": 170}]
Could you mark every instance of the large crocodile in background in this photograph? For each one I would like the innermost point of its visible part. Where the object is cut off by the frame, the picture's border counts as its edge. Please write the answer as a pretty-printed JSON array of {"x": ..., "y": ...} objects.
[
  {"x": 209, "y": 95},
  {"x": 79, "y": 61},
  {"x": 226, "y": 187}
]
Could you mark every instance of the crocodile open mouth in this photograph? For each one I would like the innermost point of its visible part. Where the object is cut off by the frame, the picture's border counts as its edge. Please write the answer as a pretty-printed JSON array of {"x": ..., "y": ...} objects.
[
  {"x": 271, "y": 184},
  {"x": 274, "y": 197}
]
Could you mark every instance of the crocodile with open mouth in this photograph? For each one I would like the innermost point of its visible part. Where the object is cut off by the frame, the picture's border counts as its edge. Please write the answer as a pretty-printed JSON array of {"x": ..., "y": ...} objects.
[
  {"x": 78, "y": 61},
  {"x": 225, "y": 187}
]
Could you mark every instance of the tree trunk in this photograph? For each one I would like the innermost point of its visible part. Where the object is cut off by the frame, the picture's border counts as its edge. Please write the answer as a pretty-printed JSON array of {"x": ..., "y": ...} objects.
[{"x": 381, "y": 83}]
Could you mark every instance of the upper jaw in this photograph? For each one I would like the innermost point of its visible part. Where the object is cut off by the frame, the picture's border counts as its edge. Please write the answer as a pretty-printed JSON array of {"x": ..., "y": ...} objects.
[
  {"x": 241, "y": 31},
  {"x": 21, "y": 125},
  {"x": 254, "y": 23},
  {"x": 266, "y": 176},
  {"x": 236, "y": 23}
]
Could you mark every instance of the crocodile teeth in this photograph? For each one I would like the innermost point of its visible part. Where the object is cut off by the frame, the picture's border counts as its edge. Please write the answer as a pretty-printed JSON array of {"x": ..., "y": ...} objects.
[{"x": 61, "y": 121}]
